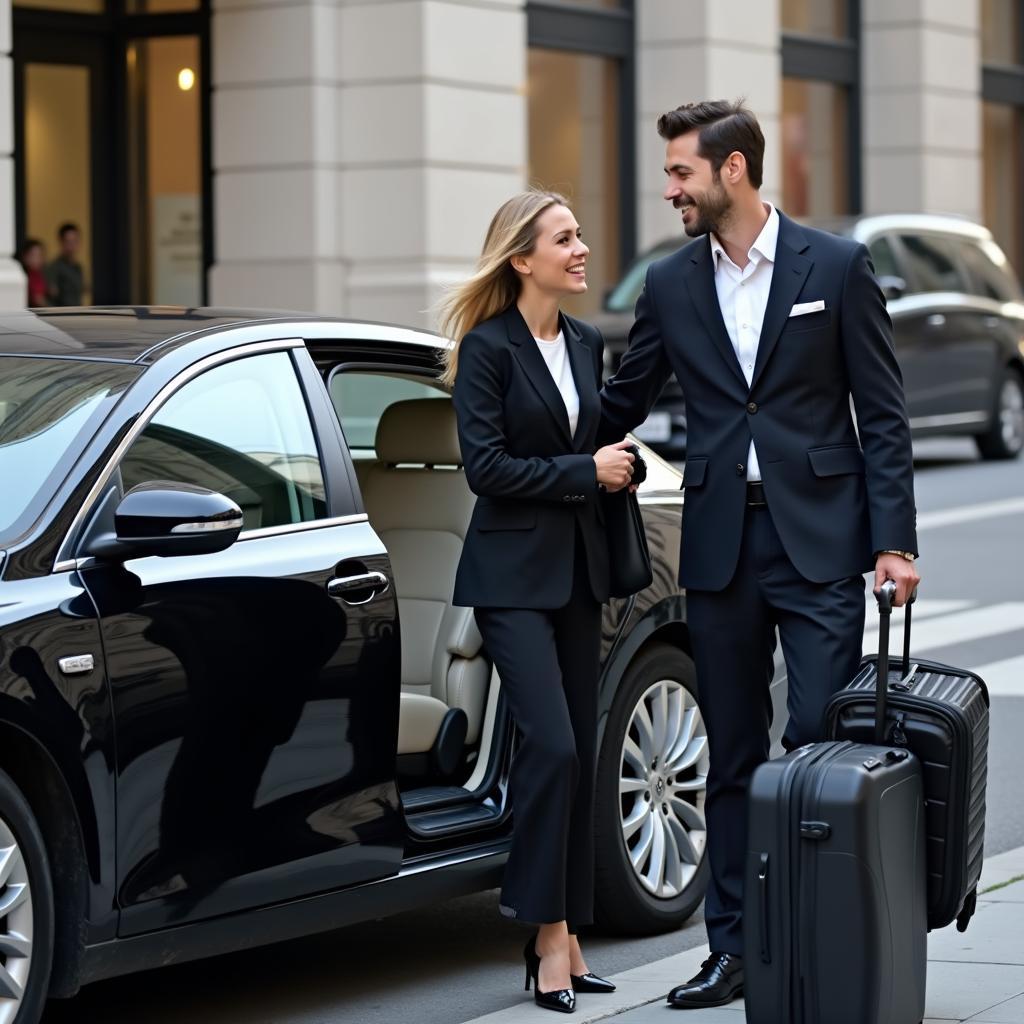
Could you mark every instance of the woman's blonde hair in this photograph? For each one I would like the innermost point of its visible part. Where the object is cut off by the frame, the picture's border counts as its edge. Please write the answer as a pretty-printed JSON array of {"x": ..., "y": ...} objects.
[{"x": 494, "y": 285}]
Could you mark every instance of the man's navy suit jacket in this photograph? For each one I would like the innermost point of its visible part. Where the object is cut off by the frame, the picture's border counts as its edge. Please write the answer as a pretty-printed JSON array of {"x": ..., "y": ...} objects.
[{"x": 839, "y": 488}]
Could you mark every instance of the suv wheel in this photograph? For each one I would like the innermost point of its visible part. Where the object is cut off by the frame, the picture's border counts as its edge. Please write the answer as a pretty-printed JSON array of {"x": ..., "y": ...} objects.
[
  {"x": 26, "y": 910},
  {"x": 651, "y": 787},
  {"x": 1004, "y": 438}
]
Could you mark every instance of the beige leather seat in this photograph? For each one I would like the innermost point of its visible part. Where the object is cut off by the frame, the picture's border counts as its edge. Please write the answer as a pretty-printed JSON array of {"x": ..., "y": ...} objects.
[{"x": 416, "y": 496}]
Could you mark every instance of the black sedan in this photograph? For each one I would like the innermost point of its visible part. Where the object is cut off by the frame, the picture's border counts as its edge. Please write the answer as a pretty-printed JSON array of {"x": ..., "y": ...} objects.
[
  {"x": 236, "y": 703},
  {"x": 958, "y": 326}
]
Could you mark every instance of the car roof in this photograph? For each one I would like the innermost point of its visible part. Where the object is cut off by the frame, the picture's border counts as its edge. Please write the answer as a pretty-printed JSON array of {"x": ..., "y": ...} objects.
[{"x": 143, "y": 334}]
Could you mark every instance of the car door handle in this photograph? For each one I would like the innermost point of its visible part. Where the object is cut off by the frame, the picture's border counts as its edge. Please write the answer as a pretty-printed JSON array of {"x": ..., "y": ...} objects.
[
  {"x": 936, "y": 320},
  {"x": 374, "y": 582}
]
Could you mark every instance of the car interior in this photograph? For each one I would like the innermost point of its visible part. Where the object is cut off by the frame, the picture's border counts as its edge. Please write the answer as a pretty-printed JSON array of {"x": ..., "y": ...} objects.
[{"x": 400, "y": 428}]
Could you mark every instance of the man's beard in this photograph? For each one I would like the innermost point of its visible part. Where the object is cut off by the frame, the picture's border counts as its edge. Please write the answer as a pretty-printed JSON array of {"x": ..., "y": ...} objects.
[{"x": 713, "y": 210}]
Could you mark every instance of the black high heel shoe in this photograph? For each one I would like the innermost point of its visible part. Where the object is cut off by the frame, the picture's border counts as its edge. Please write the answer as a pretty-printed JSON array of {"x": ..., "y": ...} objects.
[
  {"x": 562, "y": 999},
  {"x": 590, "y": 983}
]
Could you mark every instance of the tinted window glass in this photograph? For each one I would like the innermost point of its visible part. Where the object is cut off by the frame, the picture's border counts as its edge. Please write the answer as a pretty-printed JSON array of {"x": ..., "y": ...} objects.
[
  {"x": 241, "y": 429},
  {"x": 49, "y": 410},
  {"x": 360, "y": 398},
  {"x": 989, "y": 271},
  {"x": 883, "y": 258},
  {"x": 932, "y": 264}
]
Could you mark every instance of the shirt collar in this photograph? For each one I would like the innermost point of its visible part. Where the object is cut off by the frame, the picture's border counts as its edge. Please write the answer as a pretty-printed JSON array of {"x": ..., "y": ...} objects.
[{"x": 764, "y": 245}]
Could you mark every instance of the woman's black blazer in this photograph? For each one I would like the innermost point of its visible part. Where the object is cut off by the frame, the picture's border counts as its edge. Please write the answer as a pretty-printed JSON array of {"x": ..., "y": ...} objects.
[{"x": 533, "y": 481}]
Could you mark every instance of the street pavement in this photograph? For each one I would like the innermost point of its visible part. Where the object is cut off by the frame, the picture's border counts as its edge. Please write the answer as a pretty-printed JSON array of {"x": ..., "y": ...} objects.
[
  {"x": 455, "y": 962},
  {"x": 976, "y": 977}
]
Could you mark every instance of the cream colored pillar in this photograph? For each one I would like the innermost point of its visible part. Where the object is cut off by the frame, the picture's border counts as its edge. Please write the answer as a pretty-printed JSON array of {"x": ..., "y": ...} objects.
[
  {"x": 13, "y": 288},
  {"x": 360, "y": 148},
  {"x": 922, "y": 106},
  {"x": 702, "y": 50}
]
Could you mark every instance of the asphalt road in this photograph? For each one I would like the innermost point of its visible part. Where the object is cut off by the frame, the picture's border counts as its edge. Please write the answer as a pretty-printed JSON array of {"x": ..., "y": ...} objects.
[{"x": 453, "y": 962}]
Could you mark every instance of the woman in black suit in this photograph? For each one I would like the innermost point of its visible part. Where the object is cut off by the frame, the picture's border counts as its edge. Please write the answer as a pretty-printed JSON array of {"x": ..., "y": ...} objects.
[{"x": 535, "y": 561}]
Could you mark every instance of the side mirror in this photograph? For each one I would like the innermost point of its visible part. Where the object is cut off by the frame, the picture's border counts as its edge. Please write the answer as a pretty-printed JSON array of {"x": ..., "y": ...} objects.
[
  {"x": 893, "y": 287},
  {"x": 166, "y": 518}
]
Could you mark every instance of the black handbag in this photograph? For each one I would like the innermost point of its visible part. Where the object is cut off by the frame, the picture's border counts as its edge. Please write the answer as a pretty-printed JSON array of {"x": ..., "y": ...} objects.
[{"x": 629, "y": 560}]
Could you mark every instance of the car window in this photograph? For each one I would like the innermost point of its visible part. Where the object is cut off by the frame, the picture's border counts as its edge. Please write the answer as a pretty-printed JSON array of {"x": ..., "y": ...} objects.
[
  {"x": 49, "y": 411},
  {"x": 932, "y": 265},
  {"x": 883, "y": 258},
  {"x": 622, "y": 298},
  {"x": 242, "y": 429},
  {"x": 360, "y": 398},
  {"x": 990, "y": 273}
]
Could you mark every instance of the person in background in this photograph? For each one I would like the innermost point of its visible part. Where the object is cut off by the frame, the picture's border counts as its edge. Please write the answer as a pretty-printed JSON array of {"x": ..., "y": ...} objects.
[
  {"x": 32, "y": 257},
  {"x": 64, "y": 276}
]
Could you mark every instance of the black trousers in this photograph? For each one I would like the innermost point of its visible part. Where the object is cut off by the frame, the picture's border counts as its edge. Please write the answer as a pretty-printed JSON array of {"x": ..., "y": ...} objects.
[
  {"x": 733, "y": 632},
  {"x": 548, "y": 661}
]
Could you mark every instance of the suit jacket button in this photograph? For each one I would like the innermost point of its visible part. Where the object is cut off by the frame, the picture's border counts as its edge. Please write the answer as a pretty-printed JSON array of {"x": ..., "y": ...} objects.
[
  {"x": 566, "y": 497},
  {"x": 751, "y": 407},
  {"x": 740, "y": 469}
]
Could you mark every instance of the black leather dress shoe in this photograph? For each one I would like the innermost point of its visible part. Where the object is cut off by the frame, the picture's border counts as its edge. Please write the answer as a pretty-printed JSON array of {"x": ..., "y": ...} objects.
[{"x": 719, "y": 981}]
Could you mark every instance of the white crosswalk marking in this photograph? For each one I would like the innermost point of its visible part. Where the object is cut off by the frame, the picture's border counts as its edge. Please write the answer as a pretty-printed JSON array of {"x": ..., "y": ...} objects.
[
  {"x": 1004, "y": 678},
  {"x": 951, "y": 628},
  {"x": 969, "y": 513}
]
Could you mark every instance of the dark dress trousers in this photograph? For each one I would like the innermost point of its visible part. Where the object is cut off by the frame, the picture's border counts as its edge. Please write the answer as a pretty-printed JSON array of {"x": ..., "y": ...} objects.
[
  {"x": 838, "y": 487},
  {"x": 534, "y": 567}
]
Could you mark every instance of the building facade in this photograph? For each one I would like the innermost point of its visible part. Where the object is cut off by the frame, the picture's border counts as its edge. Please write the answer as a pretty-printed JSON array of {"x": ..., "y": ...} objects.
[{"x": 345, "y": 156}]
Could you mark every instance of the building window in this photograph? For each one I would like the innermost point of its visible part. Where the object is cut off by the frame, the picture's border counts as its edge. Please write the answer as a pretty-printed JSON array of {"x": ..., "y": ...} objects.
[
  {"x": 581, "y": 129},
  {"x": 574, "y": 148},
  {"x": 1002, "y": 89},
  {"x": 815, "y": 148},
  {"x": 829, "y": 18},
  {"x": 821, "y": 107}
]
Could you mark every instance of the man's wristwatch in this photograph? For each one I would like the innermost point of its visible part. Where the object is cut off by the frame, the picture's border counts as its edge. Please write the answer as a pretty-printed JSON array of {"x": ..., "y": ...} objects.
[{"x": 908, "y": 555}]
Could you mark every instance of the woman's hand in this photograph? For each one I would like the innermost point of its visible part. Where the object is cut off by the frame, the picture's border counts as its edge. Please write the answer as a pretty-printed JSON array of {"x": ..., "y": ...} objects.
[{"x": 614, "y": 465}]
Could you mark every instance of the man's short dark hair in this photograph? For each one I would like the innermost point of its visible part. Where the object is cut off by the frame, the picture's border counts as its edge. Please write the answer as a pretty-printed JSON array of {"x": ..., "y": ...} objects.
[
  {"x": 724, "y": 128},
  {"x": 65, "y": 228}
]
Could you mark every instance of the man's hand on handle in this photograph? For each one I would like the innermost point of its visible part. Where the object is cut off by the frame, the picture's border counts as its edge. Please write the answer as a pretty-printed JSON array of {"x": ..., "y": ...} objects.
[
  {"x": 614, "y": 465},
  {"x": 901, "y": 571}
]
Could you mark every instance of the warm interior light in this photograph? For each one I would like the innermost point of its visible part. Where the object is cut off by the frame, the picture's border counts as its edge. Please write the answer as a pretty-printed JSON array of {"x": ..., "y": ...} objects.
[{"x": 186, "y": 79}]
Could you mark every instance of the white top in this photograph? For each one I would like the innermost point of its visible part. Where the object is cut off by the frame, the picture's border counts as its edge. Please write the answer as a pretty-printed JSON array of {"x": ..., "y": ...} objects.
[
  {"x": 742, "y": 297},
  {"x": 557, "y": 358}
]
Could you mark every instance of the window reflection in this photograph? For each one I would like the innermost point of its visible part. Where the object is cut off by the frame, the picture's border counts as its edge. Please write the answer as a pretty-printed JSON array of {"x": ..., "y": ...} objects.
[
  {"x": 1002, "y": 172},
  {"x": 1000, "y": 32},
  {"x": 815, "y": 180},
  {"x": 574, "y": 149},
  {"x": 828, "y": 18}
]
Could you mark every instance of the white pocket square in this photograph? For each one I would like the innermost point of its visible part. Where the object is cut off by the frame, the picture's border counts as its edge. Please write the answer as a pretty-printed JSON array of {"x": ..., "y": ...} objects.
[{"x": 802, "y": 308}]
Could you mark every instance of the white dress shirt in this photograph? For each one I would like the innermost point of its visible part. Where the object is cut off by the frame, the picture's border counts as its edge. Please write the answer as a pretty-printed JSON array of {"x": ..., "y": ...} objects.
[
  {"x": 557, "y": 358},
  {"x": 742, "y": 297}
]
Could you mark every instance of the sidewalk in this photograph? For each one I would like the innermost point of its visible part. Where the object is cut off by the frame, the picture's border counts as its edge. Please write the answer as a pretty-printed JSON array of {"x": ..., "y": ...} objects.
[{"x": 976, "y": 977}]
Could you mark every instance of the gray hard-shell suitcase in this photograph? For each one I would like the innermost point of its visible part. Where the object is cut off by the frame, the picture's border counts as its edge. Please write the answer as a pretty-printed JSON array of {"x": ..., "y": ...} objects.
[
  {"x": 834, "y": 911},
  {"x": 941, "y": 714}
]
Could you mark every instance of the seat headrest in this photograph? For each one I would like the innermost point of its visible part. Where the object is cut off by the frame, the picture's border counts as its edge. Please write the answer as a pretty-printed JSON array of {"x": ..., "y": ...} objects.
[{"x": 419, "y": 430}]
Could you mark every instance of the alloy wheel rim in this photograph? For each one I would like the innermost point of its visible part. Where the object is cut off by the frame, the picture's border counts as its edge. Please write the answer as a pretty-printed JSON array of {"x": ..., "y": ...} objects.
[
  {"x": 1011, "y": 414},
  {"x": 663, "y": 775},
  {"x": 15, "y": 925}
]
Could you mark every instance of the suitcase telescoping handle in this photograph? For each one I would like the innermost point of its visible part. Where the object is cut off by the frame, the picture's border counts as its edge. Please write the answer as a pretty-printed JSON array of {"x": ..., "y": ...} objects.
[{"x": 885, "y": 596}]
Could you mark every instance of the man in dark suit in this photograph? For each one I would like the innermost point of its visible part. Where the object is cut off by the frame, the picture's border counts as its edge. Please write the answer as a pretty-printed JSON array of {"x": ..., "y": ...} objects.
[{"x": 771, "y": 329}]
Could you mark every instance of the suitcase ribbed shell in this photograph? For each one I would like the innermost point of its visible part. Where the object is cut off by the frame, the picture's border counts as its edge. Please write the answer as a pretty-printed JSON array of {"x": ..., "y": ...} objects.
[{"x": 941, "y": 714}]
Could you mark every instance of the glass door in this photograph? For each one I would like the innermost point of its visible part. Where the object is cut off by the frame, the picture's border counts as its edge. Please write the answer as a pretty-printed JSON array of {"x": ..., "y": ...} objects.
[{"x": 63, "y": 161}]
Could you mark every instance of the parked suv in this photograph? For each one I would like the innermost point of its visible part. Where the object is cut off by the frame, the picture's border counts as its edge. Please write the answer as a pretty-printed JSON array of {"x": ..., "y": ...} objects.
[{"x": 958, "y": 324}]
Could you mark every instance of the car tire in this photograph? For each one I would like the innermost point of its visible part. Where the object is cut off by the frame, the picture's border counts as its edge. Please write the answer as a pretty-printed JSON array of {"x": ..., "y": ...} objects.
[
  {"x": 26, "y": 910},
  {"x": 1004, "y": 438},
  {"x": 641, "y": 811}
]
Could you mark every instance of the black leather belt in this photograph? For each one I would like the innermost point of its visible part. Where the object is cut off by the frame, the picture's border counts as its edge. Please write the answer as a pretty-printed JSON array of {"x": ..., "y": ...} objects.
[{"x": 755, "y": 494}]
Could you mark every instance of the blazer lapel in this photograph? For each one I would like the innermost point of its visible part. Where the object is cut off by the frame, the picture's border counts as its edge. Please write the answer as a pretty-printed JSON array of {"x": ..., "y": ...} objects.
[
  {"x": 788, "y": 276},
  {"x": 700, "y": 280},
  {"x": 587, "y": 386},
  {"x": 532, "y": 362}
]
